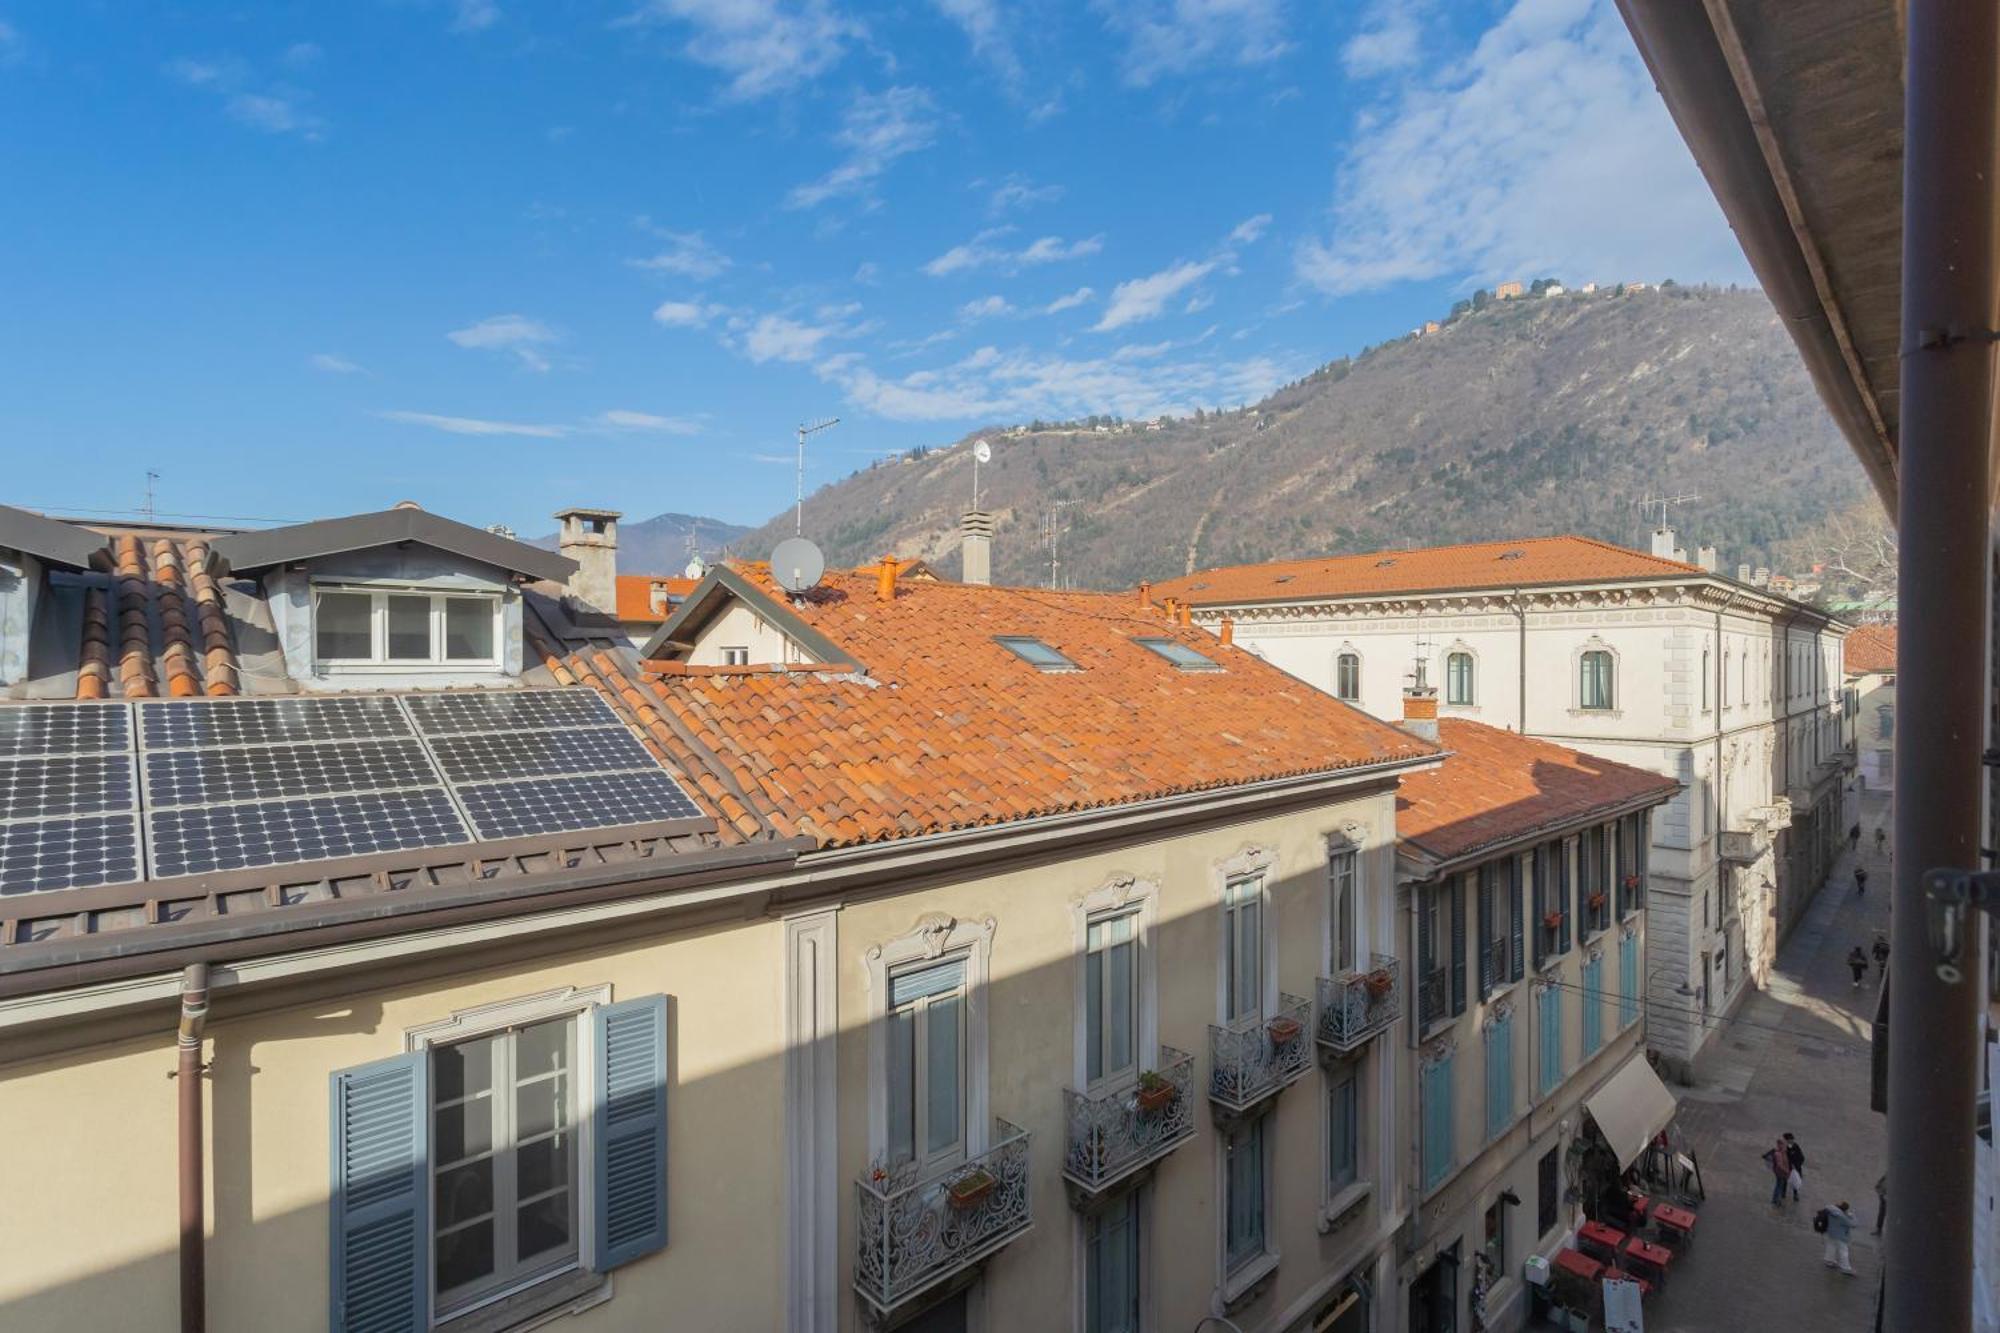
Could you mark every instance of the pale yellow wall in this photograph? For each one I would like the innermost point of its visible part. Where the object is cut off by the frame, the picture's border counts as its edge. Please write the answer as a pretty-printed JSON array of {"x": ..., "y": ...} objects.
[
  {"x": 1031, "y": 1008},
  {"x": 740, "y": 627},
  {"x": 88, "y": 1226}
]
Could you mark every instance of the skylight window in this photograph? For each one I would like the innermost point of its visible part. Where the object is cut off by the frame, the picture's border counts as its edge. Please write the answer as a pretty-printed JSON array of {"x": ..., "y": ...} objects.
[
  {"x": 1035, "y": 653},
  {"x": 1182, "y": 656},
  {"x": 1385, "y": 563}
]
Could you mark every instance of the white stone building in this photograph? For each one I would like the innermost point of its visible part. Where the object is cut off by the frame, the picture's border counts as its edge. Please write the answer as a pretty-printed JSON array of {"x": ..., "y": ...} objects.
[{"x": 1641, "y": 658}]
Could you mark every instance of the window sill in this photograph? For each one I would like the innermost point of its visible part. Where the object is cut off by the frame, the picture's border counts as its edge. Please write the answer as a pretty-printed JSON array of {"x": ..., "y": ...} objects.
[
  {"x": 552, "y": 1298},
  {"x": 1242, "y": 1286},
  {"x": 1342, "y": 1207},
  {"x": 1611, "y": 713}
]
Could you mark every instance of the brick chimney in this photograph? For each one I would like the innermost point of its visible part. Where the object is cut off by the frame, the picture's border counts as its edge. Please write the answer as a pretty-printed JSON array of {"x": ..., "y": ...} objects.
[
  {"x": 590, "y": 537},
  {"x": 1420, "y": 711},
  {"x": 976, "y": 552}
]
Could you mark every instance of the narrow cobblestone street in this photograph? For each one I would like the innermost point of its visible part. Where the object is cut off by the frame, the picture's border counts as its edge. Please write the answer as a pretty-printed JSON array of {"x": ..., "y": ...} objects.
[{"x": 1795, "y": 1057}]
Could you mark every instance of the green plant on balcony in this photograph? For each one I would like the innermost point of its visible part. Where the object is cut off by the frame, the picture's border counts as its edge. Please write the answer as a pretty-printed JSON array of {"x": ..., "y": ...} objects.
[
  {"x": 1156, "y": 1091},
  {"x": 969, "y": 1188}
]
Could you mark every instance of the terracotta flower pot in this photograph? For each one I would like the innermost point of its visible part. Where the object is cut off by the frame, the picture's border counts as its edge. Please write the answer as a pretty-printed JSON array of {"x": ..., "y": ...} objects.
[
  {"x": 1379, "y": 984},
  {"x": 1283, "y": 1031},
  {"x": 970, "y": 1190},
  {"x": 1553, "y": 920},
  {"x": 1157, "y": 1096},
  {"x": 1596, "y": 901}
]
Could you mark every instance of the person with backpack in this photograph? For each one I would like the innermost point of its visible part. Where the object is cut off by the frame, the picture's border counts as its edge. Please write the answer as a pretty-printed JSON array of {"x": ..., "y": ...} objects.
[
  {"x": 1837, "y": 1225},
  {"x": 1860, "y": 881},
  {"x": 1780, "y": 1162},
  {"x": 1857, "y": 963}
]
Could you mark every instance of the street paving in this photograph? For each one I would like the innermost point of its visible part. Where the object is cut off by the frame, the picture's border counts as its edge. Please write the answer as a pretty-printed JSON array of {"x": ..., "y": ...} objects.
[{"x": 1794, "y": 1056}]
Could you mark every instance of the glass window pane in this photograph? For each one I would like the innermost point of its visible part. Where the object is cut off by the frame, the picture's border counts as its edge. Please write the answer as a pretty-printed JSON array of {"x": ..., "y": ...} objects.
[
  {"x": 539, "y": 1107},
  {"x": 409, "y": 628},
  {"x": 464, "y": 1256},
  {"x": 462, "y": 1069},
  {"x": 1118, "y": 1008},
  {"x": 941, "y": 1021},
  {"x": 542, "y": 1225},
  {"x": 1093, "y": 1011},
  {"x": 464, "y": 1130},
  {"x": 464, "y": 1192},
  {"x": 1245, "y": 1219},
  {"x": 541, "y": 1049},
  {"x": 902, "y": 1085},
  {"x": 542, "y": 1166},
  {"x": 468, "y": 629},
  {"x": 343, "y": 626},
  {"x": 1112, "y": 1270},
  {"x": 1341, "y": 1133}
]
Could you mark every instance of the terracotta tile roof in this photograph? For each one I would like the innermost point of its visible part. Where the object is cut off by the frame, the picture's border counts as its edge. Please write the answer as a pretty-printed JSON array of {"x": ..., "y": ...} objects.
[
  {"x": 948, "y": 729},
  {"x": 648, "y": 599},
  {"x": 1526, "y": 562},
  {"x": 161, "y": 629},
  {"x": 1870, "y": 648},
  {"x": 1499, "y": 786}
]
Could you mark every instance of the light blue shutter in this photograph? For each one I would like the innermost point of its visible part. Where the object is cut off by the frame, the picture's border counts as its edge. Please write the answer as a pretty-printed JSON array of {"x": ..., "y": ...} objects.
[
  {"x": 1499, "y": 1076},
  {"x": 631, "y": 1130},
  {"x": 380, "y": 1280},
  {"x": 1593, "y": 1005},
  {"x": 1628, "y": 980},
  {"x": 1551, "y": 1018},
  {"x": 1437, "y": 1113}
]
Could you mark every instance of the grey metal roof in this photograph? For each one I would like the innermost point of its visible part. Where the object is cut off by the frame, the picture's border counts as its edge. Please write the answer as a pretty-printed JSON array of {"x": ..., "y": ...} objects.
[
  {"x": 47, "y": 540},
  {"x": 253, "y": 552}
]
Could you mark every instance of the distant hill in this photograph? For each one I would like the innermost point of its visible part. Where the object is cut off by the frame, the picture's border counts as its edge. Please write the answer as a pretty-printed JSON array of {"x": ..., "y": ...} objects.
[
  {"x": 1527, "y": 417},
  {"x": 659, "y": 545}
]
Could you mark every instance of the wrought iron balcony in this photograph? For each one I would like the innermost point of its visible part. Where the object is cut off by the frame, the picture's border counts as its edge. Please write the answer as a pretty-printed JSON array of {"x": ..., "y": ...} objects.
[
  {"x": 1434, "y": 995},
  {"x": 918, "y": 1229},
  {"x": 1356, "y": 1005},
  {"x": 1114, "y": 1133},
  {"x": 1258, "y": 1054}
]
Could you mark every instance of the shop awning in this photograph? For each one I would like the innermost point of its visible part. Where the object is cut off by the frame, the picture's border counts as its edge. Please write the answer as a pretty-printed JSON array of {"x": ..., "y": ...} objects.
[{"x": 1630, "y": 1109}]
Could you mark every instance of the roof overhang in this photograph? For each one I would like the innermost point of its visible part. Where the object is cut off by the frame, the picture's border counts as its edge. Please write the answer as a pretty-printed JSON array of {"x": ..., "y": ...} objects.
[
  {"x": 720, "y": 587},
  {"x": 1794, "y": 113},
  {"x": 254, "y": 552},
  {"x": 1417, "y": 864},
  {"x": 48, "y": 541}
]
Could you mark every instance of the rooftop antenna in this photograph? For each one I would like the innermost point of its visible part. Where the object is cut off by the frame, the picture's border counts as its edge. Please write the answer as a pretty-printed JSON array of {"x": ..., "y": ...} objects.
[
  {"x": 982, "y": 452},
  {"x": 805, "y": 429},
  {"x": 151, "y": 477},
  {"x": 1053, "y": 528},
  {"x": 1662, "y": 503},
  {"x": 1420, "y": 670}
]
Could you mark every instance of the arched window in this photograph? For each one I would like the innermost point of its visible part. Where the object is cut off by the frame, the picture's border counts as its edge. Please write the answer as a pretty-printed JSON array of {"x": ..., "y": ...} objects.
[
  {"x": 1347, "y": 676},
  {"x": 1458, "y": 678},
  {"x": 1595, "y": 686}
]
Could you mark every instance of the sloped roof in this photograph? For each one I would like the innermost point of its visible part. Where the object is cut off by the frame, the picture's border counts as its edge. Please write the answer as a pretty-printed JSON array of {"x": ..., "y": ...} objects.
[
  {"x": 1526, "y": 562},
  {"x": 948, "y": 729},
  {"x": 46, "y": 539},
  {"x": 1496, "y": 787},
  {"x": 253, "y": 552},
  {"x": 635, "y": 596},
  {"x": 162, "y": 628},
  {"x": 1870, "y": 648}
]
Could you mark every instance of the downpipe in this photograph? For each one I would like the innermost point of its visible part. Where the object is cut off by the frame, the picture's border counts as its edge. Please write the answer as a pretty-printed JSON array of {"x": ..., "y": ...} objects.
[{"x": 190, "y": 1138}]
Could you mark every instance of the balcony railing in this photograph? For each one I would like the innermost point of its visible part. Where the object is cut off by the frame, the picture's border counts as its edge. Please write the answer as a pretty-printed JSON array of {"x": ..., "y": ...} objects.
[
  {"x": 1354, "y": 1006},
  {"x": 918, "y": 1229},
  {"x": 1433, "y": 996},
  {"x": 1114, "y": 1133},
  {"x": 1258, "y": 1054}
]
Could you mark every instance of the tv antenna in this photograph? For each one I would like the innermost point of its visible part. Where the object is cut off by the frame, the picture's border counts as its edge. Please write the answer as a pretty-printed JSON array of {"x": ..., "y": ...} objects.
[
  {"x": 1662, "y": 502},
  {"x": 1053, "y": 528},
  {"x": 805, "y": 429},
  {"x": 982, "y": 452},
  {"x": 1420, "y": 669},
  {"x": 151, "y": 478}
]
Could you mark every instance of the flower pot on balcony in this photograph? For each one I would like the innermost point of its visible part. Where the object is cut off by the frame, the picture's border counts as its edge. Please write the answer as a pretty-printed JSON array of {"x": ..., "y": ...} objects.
[
  {"x": 970, "y": 1190},
  {"x": 1631, "y": 881},
  {"x": 1379, "y": 983},
  {"x": 1155, "y": 1093},
  {"x": 1553, "y": 920},
  {"x": 1284, "y": 1031},
  {"x": 1596, "y": 902}
]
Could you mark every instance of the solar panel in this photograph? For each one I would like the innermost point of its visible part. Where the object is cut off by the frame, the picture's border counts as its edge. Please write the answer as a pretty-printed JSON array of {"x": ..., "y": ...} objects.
[
  {"x": 31, "y": 729},
  {"x": 201, "y": 839},
  {"x": 40, "y": 855},
  {"x": 512, "y": 710},
  {"x": 491, "y": 756},
  {"x": 177, "y": 723},
  {"x": 270, "y": 772},
  {"x": 63, "y": 785},
  {"x": 564, "y": 805}
]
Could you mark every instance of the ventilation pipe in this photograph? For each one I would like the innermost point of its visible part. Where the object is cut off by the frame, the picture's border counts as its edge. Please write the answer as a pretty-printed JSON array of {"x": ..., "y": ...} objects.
[
  {"x": 885, "y": 579},
  {"x": 1185, "y": 612},
  {"x": 1145, "y": 595},
  {"x": 187, "y": 1044},
  {"x": 1228, "y": 630}
]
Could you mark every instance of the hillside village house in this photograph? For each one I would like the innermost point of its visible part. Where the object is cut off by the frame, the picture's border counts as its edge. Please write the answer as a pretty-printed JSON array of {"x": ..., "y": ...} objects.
[
  {"x": 949, "y": 957},
  {"x": 1644, "y": 658},
  {"x": 1869, "y": 663}
]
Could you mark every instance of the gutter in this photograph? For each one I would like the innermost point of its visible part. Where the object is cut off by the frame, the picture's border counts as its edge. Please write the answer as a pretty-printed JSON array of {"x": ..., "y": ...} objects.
[{"x": 189, "y": 1142}]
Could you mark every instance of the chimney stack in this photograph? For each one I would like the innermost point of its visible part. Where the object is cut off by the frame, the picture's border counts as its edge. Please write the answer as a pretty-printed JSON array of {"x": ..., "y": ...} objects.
[
  {"x": 590, "y": 537},
  {"x": 1145, "y": 595},
  {"x": 885, "y": 579},
  {"x": 1228, "y": 630},
  {"x": 977, "y": 550},
  {"x": 1743, "y": 573},
  {"x": 1420, "y": 711},
  {"x": 1705, "y": 557},
  {"x": 1663, "y": 543},
  {"x": 1186, "y": 610}
]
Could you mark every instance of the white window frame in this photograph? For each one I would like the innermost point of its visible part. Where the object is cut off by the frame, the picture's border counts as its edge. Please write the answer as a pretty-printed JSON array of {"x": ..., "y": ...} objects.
[
  {"x": 1120, "y": 895},
  {"x": 1594, "y": 644},
  {"x": 1252, "y": 1269},
  {"x": 935, "y": 938},
  {"x": 378, "y": 621},
  {"x": 735, "y": 654},
  {"x": 1453, "y": 654},
  {"x": 1140, "y": 1201},
  {"x": 1351, "y": 1074},
  {"x": 1251, "y": 864},
  {"x": 1345, "y": 850},
  {"x": 1346, "y": 651},
  {"x": 926, "y": 1158},
  {"x": 573, "y": 1003}
]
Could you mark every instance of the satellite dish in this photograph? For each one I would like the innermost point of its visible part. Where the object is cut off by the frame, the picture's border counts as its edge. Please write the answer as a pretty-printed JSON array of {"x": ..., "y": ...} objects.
[
  {"x": 696, "y": 567},
  {"x": 983, "y": 451},
  {"x": 797, "y": 565}
]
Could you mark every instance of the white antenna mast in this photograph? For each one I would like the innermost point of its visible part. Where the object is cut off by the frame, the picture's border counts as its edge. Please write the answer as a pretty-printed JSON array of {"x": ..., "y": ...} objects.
[
  {"x": 151, "y": 477},
  {"x": 1662, "y": 502},
  {"x": 1052, "y": 532},
  {"x": 804, "y": 430}
]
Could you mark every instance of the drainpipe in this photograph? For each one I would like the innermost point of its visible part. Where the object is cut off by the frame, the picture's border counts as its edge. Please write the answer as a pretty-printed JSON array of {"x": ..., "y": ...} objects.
[
  {"x": 1520, "y": 609},
  {"x": 1947, "y": 381},
  {"x": 194, "y": 1016}
]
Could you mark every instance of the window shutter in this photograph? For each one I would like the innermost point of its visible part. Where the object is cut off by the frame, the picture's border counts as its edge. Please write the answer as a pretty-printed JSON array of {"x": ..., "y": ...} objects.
[
  {"x": 1457, "y": 891},
  {"x": 1565, "y": 900},
  {"x": 1437, "y": 1115},
  {"x": 631, "y": 1130},
  {"x": 1486, "y": 878},
  {"x": 1499, "y": 1076},
  {"x": 1515, "y": 913},
  {"x": 1426, "y": 924},
  {"x": 1540, "y": 896},
  {"x": 381, "y": 1241}
]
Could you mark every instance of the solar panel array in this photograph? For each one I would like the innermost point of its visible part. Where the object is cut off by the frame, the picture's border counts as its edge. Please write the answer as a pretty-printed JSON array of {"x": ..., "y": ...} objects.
[{"x": 228, "y": 784}]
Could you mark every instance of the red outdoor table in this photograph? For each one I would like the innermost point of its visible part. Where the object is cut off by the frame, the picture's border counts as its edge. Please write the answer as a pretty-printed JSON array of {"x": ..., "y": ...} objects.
[
  {"x": 1578, "y": 1263},
  {"x": 1595, "y": 1236},
  {"x": 1671, "y": 1218},
  {"x": 1650, "y": 1256},
  {"x": 1640, "y": 1203}
]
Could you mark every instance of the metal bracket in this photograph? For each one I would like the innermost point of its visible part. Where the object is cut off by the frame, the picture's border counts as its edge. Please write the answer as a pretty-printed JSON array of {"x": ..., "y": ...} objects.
[
  {"x": 1954, "y": 333},
  {"x": 1953, "y": 893}
]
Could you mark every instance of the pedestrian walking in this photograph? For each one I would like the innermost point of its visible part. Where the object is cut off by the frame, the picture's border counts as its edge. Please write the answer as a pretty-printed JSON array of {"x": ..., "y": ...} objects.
[
  {"x": 1854, "y": 838},
  {"x": 1780, "y": 1163},
  {"x": 1881, "y": 839},
  {"x": 1795, "y": 1157},
  {"x": 1857, "y": 963},
  {"x": 1881, "y": 1201},
  {"x": 1881, "y": 952},
  {"x": 1860, "y": 880},
  {"x": 1838, "y": 1224}
]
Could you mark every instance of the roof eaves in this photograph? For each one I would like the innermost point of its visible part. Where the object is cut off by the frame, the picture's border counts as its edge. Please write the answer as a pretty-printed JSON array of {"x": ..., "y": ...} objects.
[
  {"x": 253, "y": 552},
  {"x": 1439, "y": 862},
  {"x": 47, "y": 540},
  {"x": 716, "y": 589}
]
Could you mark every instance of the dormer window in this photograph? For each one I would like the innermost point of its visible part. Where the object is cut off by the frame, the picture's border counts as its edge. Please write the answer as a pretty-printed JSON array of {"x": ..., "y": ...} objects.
[
  {"x": 404, "y": 627},
  {"x": 1036, "y": 653}
]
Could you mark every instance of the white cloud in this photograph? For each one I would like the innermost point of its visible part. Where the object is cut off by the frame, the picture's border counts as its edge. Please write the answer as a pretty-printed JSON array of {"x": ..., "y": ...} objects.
[
  {"x": 975, "y": 253},
  {"x": 334, "y": 365},
  {"x": 762, "y": 46},
  {"x": 983, "y": 252},
  {"x": 1053, "y": 250},
  {"x": 1390, "y": 39},
  {"x": 1020, "y": 192},
  {"x": 779, "y": 338},
  {"x": 685, "y": 253},
  {"x": 1250, "y": 230},
  {"x": 876, "y": 129},
  {"x": 868, "y": 273},
  {"x": 475, "y": 425},
  {"x": 985, "y": 28},
  {"x": 1144, "y": 298},
  {"x": 518, "y": 334},
  {"x": 273, "y": 115},
  {"x": 271, "y": 108},
  {"x": 1542, "y": 150},
  {"x": 475, "y": 15},
  {"x": 301, "y": 54},
  {"x": 1070, "y": 302},
  {"x": 986, "y": 307},
  {"x": 1168, "y": 37},
  {"x": 1197, "y": 304},
  {"x": 684, "y": 314},
  {"x": 195, "y": 73},
  {"x": 619, "y": 419}
]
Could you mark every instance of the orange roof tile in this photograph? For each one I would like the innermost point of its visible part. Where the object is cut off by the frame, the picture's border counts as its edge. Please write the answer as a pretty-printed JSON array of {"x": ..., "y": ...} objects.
[
  {"x": 948, "y": 729},
  {"x": 161, "y": 630},
  {"x": 1498, "y": 786},
  {"x": 1870, "y": 648},
  {"x": 644, "y": 598},
  {"x": 1527, "y": 562}
]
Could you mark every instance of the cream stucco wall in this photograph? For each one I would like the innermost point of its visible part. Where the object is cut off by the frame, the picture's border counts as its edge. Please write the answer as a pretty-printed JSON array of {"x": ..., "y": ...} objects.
[{"x": 738, "y": 626}]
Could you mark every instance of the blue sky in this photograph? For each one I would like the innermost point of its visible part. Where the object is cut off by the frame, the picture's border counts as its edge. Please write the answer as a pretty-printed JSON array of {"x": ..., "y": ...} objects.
[{"x": 502, "y": 255}]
